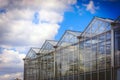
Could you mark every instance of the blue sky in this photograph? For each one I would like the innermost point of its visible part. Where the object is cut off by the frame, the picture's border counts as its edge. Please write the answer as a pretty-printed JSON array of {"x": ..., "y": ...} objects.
[{"x": 25, "y": 24}]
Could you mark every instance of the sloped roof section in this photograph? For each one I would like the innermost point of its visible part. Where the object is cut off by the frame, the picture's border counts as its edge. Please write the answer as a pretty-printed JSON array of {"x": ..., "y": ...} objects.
[
  {"x": 48, "y": 46},
  {"x": 75, "y": 33},
  {"x": 52, "y": 42},
  {"x": 36, "y": 50},
  {"x": 69, "y": 37},
  {"x": 97, "y": 26},
  {"x": 32, "y": 53}
]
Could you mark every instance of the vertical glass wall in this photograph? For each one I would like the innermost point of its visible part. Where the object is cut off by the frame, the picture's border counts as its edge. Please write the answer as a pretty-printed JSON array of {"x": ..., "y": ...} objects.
[
  {"x": 96, "y": 50},
  {"x": 118, "y": 74},
  {"x": 67, "y": 56},
  {"x": 47, "y": 60},
  {"x": 117, "y": 47},
  {"x": 117, "y": 51}
]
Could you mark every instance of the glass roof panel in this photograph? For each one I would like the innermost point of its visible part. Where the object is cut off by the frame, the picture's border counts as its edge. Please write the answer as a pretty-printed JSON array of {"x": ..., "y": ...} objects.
[
  {"x": 48, "y": 46},
  {"x": 32, "y": 53},
  {"x": 68, "y": 38},
  {"x": 97, "y": 26}
]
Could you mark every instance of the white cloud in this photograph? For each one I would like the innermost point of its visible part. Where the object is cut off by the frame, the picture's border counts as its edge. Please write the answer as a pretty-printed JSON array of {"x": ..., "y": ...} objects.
[
  {"x": 16, "y": 25},
  {"x": 52, "y": 16},
  {"x": 12, "y": 76},
  {"x": 11, "y": 59},
  {"x": 18, "y": 29},
  {"x": 91, "y": 7},
  {"x": 11, "y": 64}
]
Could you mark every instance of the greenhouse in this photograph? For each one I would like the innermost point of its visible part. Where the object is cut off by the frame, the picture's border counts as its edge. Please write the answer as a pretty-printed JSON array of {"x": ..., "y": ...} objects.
[{"x": 93, "y": 54}]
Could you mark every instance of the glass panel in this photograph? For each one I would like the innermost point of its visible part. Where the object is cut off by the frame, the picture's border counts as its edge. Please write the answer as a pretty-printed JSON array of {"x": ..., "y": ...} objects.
[
  {"x": 117, "y": 47},
  {"x": 76, "y": 77},
  {"x": 101, "y": 75},
  {"x": 94, "y": 76},
  {"x": 108, "y": 36},
  {"x": 87, "y": 77},
  {"x": 118, "y": 74},
  {"x": 94, "y": 65},
  {"x": 81, "y": 77},
  {"x": 108, "y": 75},
  {"x": 87, "y": 66}
]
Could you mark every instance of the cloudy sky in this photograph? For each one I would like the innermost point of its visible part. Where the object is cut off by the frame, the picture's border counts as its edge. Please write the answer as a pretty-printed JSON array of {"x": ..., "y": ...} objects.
[{"x": 28, "y": 23}]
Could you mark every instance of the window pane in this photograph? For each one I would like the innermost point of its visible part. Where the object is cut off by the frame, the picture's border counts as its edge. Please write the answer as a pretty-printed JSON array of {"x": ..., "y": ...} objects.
[
  {"x": 108, "y": 75},
  {"x": 94, "y": 76},
  {"x": 87, "y": 77},
  {"x": 118, "y": 74},
  {"x": 81, "y": 77},
  {"x": 101, "y": 75}
]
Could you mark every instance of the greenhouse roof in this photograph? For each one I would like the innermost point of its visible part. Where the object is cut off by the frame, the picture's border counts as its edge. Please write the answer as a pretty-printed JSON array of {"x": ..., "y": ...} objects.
[
  {"x": 97, "y": 26},
  {"x": 48, "y": 46},
  {"x": 32, "y": 53},
  {"x": 68, "y": 38}
]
